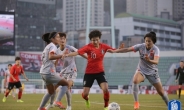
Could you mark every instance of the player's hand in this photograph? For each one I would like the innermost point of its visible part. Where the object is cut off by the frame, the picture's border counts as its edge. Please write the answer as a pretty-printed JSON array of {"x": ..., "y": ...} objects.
[
  {"x": 146, "y": 57},
  {"x": 14, "y": 79},
  {"x": 122, "y": 46},
  {"x": 176, "y": 81},
  {"x": 64, "y": 55},
  {"x": 111, "y": 51},
  {"x": 27, "y": 79}
]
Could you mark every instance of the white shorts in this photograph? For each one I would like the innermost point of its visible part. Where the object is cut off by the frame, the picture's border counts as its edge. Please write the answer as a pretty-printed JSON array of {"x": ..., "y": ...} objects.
[
  {"x": 69, "y": 76},
  {"x": 51, "y": 78},
  {"x": 153, "y": 78}
]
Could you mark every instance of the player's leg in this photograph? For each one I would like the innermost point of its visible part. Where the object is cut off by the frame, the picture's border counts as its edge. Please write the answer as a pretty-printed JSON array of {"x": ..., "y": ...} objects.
[
  {"x": 13, "y": 92},
  {"x": 68, "y": 98},
  {"x": 71, "y": 78},
  {"x": 156, "y": 82},
  {"x": 87, "y": 83},
  {"x": 19, "y": 85},
  {"x": 47, "y": 96},
  {"x": 161, "y": 92},
  {"x": 10, "y": 86},
  {"x": 50, "y": 80},
  {"x": 179, "y": 89},
  {"x": 138, "y": 78},
  {"x": 102, "y": 82},
  {"x": 61, "y": 93}
]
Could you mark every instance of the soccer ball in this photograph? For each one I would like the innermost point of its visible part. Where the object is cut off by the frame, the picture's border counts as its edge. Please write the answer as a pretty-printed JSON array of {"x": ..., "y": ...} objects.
[{"x": 113, "y": 106}]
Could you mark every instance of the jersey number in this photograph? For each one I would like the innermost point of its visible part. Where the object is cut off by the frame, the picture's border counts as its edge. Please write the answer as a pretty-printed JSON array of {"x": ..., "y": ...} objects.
[{"x": 93, "y": 55}]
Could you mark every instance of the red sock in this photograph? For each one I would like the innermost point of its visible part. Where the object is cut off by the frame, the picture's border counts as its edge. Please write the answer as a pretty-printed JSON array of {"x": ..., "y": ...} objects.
[
  {"x": 106, "y": 98},
  {"x": 6, "y": 93},
  {"x": 19, "y": 94},
  {"x": 86, "y": 98}
]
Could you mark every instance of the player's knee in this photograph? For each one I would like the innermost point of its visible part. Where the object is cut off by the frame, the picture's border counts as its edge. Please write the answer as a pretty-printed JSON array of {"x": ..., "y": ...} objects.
[
  {"x": 135, "y": 81},
  {"x": 8, "y": 90},
  {"x": 20, "y": 89},
  {"x": 105, "y": 90},
  {"x": 51, "y": 92}
]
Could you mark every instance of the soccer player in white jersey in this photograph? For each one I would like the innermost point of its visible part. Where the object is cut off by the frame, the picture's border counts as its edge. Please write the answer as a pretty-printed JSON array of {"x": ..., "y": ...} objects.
[
  {"x": 147, "y": 67},
  {"x": 6, "y": 80},
  {"x": 48, "y": 70},
  {"x": 68, "y": 71}
]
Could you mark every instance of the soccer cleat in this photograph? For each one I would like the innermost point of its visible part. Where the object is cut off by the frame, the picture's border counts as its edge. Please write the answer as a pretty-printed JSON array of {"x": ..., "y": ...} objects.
[
  {"x": 69, "y": 108},
  {"x": 4, "y": 99},
  {"x": 136, "y": 105},
  {"x": 59, "y": 104},
  {"x": 87, "y": 103},
  {"x": 19, "y": 100},
  {"x": 41, "y": 109},
  {"x": 106, "y": 108},
  {"x": 49, "y": 106}
]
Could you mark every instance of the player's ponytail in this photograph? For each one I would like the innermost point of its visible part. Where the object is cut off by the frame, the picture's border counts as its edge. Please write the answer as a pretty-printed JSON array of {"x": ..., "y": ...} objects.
[
  {"x": 45, "y": 37},
  {"x": 152, "y": 36}
]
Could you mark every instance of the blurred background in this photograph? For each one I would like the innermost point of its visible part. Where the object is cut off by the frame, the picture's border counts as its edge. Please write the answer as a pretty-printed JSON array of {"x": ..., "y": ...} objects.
[{"x": 22, "y": 23}]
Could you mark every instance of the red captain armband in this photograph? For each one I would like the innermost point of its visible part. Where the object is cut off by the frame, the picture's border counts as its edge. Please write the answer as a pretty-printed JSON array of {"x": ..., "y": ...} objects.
[{"x": 133, "y": 49}]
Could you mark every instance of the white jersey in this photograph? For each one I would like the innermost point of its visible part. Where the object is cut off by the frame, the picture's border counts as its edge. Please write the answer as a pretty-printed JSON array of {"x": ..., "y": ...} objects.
[
  {"x": 48, "y": 66},
  {"x": 68, "y": 62},
  {"x": 144, "y": 66},
  {"x": 7, "y": 74}
]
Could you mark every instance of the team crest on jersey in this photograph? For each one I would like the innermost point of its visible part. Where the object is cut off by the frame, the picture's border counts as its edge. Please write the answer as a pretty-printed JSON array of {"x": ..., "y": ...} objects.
[{"x": 102, "y": 51}]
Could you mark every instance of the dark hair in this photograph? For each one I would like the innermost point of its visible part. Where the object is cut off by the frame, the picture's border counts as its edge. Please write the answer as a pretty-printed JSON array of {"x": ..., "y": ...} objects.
[
  {"x": 152, "y": 36},
  {"x": 62, "y": 34},
  {"x": 52, "y": 35},
  {"x": 182, "y": 61},
  {"x": 17, "y": 58},
  {"x": 9, "y": 64},
  {"x": 95, "y": 33},
  {"x": 45, "y": 37}
]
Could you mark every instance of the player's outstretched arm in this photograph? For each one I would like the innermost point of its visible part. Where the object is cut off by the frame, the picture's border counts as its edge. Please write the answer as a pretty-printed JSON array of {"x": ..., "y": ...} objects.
[
  {"x": 52, "y": 56},
  {"x": 121, "y": 50},
  {"x": 71, "y": 54},
  {"x": 84, "y": 56}
]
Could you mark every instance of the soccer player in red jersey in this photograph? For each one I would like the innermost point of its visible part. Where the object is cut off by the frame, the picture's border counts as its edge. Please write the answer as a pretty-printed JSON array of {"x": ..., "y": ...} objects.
[
  {"x": 95, "y": 68},
  {"x": 15, "y": 71}
]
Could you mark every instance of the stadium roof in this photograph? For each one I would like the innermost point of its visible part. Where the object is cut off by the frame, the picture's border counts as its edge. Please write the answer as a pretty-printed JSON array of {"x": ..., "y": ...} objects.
[{"x": 123, "y": 15}]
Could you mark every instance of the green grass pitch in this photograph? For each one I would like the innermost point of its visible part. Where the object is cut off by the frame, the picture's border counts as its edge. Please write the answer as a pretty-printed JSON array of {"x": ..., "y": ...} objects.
[{"x": 147, "y": 102}]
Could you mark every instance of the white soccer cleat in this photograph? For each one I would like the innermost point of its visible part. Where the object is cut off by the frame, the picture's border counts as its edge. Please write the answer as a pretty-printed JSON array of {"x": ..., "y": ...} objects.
[
  {"x": 49, "y": 106},
  {"x": 69, "y": 108}
]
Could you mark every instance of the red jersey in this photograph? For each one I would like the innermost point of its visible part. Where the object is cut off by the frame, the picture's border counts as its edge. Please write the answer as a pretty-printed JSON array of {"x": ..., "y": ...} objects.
[
  {"x": 16, "y": 71},
  {"x": 95, "y": 57}
]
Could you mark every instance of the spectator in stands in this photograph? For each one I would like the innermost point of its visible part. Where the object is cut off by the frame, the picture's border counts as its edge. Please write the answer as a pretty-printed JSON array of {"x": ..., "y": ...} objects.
[
  {"x": 2, "y": 72},
  {"x": 147, "y": 67},
  {"x": 180, "y": 76}
]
